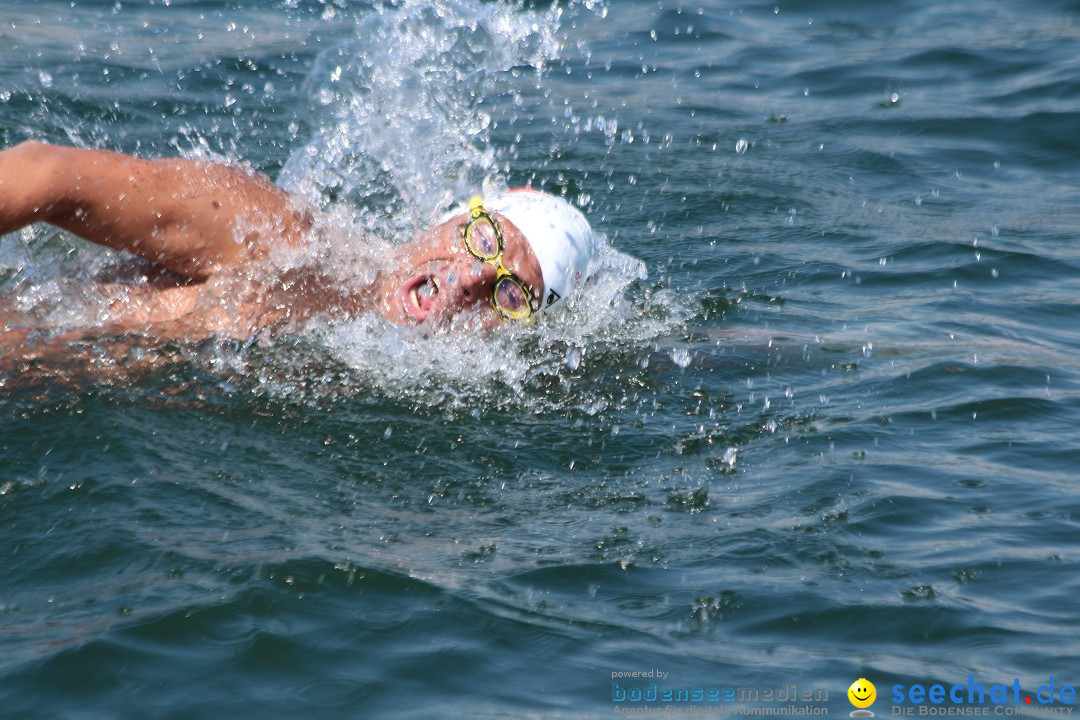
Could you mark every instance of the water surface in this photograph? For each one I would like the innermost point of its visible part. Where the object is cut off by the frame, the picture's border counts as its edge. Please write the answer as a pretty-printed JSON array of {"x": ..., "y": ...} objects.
[{"x": 828, "y": 436}]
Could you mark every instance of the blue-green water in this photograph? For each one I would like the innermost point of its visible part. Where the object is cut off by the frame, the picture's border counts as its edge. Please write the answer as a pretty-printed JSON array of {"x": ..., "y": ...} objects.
[{"x": 830, "y": 436}]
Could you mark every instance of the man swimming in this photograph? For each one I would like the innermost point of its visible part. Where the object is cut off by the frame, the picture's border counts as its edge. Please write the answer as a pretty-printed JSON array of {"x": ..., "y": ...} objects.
[{"x": 207, "y": 234}]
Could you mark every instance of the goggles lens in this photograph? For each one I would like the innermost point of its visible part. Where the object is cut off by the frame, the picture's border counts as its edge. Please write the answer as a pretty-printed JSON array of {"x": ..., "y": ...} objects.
[
  {"x": 511, "y": 298},
  {"x": 482, "y": 238}
]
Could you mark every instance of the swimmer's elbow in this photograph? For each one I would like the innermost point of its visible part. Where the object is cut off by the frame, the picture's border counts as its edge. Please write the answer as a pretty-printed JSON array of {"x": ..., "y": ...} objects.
[{"x": 30, "y": 173}]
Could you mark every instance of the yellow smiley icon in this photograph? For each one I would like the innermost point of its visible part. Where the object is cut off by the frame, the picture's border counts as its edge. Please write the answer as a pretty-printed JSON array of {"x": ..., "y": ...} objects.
[{"x": 862, "y": 693}]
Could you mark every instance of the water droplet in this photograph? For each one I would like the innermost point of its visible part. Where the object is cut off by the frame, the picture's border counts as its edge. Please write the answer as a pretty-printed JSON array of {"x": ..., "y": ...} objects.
[
  {"x": 573, "y": 358},
  {"x": 729, "y": 456}
]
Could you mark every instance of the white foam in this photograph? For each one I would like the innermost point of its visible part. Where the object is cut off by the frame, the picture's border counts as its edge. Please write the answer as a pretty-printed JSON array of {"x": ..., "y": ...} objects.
[{"x": 399, "y": 113}]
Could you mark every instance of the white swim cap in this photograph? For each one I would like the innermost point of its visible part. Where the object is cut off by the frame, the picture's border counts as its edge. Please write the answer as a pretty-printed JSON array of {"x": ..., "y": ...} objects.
[{"x": 558, "y": 234}]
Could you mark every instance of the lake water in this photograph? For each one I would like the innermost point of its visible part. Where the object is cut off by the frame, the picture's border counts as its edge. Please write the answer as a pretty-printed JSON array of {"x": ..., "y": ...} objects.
[{"x": 825, "y": 431}]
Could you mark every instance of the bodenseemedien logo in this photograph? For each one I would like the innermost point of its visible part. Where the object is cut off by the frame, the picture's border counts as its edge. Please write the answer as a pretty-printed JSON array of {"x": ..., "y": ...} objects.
[{"x": 862, "y": 694}]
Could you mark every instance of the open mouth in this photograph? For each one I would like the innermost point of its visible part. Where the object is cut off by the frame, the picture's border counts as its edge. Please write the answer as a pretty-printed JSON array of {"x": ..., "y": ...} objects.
[{"x": 420, "y": 296}]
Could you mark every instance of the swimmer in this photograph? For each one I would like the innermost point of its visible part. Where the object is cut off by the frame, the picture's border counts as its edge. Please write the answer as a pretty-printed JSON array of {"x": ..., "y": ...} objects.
[{"x": 205, "y": 232}]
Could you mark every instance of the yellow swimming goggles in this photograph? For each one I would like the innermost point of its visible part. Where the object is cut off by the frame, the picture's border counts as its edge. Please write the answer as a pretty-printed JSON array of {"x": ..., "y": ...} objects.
[{"x": 510, "y": 295}]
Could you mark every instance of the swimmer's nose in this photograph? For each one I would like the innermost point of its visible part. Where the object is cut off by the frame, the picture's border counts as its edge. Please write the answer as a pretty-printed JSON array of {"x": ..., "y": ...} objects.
[{"x": 473, "y": 281}]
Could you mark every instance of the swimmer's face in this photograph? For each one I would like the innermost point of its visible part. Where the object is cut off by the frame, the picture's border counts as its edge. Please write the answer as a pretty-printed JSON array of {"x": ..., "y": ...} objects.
[
  {"x": 862, "y": 693},
  {"x": 434, "y": 280}
]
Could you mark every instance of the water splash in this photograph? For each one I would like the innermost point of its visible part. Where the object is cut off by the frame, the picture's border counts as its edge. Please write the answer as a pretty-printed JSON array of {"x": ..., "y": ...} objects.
[
  {"x": 400, "y": 112},
  {"x": 515, "y": 365},
  {"x": 402, "y": 119}
]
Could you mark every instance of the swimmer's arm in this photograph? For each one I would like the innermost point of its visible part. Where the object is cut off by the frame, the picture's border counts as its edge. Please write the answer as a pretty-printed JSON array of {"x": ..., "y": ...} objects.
[{"x": 193, "y": 218}]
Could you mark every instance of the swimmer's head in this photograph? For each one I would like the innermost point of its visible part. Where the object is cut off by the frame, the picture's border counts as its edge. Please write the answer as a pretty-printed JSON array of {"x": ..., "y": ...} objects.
[{"x": 456, "y": 268}]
